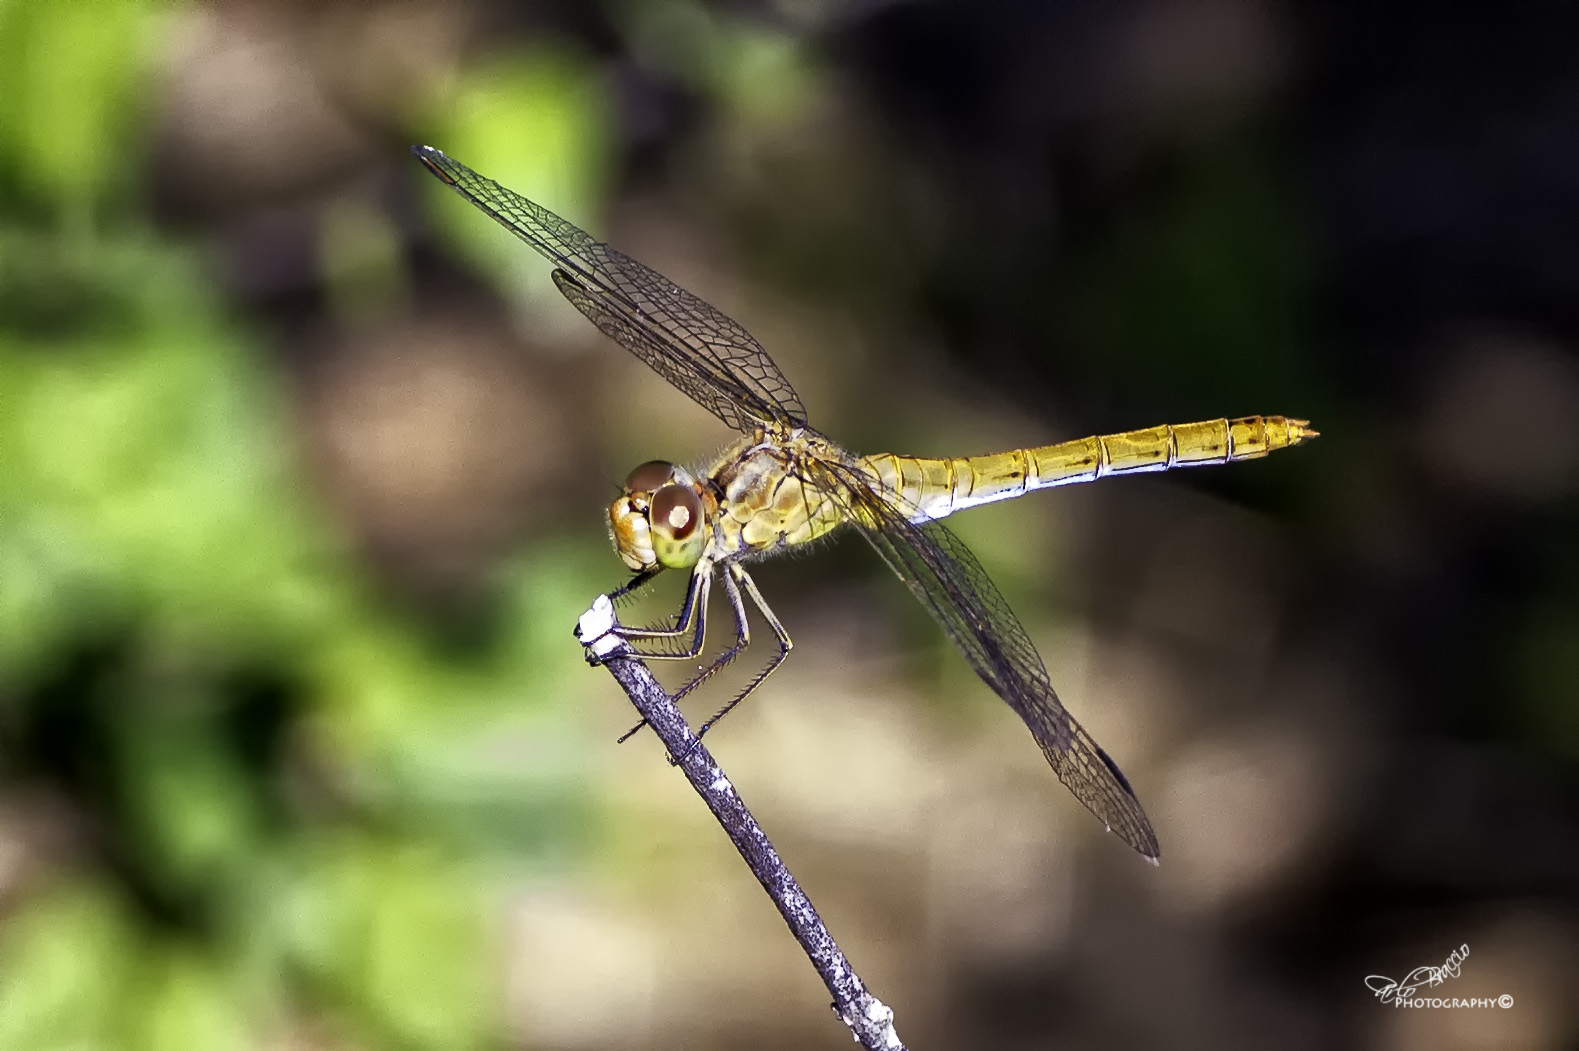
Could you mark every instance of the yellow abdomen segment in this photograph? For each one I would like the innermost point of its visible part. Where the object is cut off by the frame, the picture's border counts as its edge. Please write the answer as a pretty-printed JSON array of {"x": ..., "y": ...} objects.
[{"x": 935, "y": 488}]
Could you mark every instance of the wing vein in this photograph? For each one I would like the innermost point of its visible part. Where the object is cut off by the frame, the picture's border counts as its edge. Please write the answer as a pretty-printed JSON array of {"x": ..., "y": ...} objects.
[
  {"x": 943, "y": 574},
  {"x": 695, "y": 346}
]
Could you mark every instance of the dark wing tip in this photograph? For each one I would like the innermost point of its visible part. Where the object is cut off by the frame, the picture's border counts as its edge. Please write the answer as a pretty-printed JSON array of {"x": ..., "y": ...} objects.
[
  {"x": 1145, "y": 842},
  {"x": 1113, "y": 769}
]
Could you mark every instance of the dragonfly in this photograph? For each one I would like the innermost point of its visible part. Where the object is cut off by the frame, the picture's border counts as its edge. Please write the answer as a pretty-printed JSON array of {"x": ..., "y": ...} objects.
[{"x": 783, "y": 484}]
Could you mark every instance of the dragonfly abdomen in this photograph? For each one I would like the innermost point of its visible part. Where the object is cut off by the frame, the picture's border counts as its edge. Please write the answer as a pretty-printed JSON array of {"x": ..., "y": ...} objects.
[{"x": 933, "y": 488}]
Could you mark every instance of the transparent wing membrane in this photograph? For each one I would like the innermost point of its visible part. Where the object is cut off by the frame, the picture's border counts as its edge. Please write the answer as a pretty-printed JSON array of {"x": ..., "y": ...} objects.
[
  {"x": 940, "y": 570},
  {"x": 693, "y": 345}
]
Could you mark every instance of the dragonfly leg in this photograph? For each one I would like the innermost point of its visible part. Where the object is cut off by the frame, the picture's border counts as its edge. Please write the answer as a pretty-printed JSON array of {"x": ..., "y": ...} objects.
[
  {"x": 742, "y": 640},
  {"x": 635, "y": 584},
  {"x": 742, "y": 634},
  {"x": 691, "y": 620},
  {"x": 736, "y": 573}
]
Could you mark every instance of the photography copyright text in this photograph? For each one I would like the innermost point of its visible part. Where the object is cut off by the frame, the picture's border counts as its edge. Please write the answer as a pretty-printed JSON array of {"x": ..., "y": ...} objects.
[{"x": 1402, "y": 993}]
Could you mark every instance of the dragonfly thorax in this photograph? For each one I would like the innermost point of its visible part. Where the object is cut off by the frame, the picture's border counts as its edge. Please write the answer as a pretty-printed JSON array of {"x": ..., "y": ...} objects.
[{"x": 659, "y": 518}]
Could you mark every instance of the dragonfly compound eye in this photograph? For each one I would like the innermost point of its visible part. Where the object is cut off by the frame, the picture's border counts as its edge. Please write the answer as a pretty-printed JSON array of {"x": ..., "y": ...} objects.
[
  {"x": 675, "y": 517},
  {"x": 649, "y": 476}
]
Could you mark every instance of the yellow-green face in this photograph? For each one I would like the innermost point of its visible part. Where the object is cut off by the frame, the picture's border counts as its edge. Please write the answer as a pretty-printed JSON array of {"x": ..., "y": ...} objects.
[{"x": 659, "y": 518}]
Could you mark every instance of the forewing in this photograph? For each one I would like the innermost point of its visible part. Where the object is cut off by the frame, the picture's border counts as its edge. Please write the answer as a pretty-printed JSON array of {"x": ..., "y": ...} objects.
[
  {"x": 692, "y": 344},
  {"x": 951, "y": 584}
]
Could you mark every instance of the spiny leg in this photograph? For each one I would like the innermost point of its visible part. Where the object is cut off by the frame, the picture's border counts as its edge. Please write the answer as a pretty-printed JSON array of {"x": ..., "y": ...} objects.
[
  {"x": 742, "y": 640},
  {"x": 678, "y": 624},
  {"x": 738, "y": 574},
  {"x": 742, "y": 636},
  {"x": 694, "y": 609},
  {"x": 635, "y": 584},
  {"x": 691, "y": 620},
  {"x": 623, "y": 594}
]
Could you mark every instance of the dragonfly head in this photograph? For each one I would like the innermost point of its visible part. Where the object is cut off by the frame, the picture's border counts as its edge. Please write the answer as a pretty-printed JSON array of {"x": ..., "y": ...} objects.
[{"x": 659, "y": 518}]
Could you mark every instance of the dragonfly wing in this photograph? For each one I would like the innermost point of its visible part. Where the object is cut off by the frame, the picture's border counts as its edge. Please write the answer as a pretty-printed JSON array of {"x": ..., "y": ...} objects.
[
  {"x": 703, "y": 386},
  {"x": 692, "y": 344},
  {"x": 951, "y": 584}
]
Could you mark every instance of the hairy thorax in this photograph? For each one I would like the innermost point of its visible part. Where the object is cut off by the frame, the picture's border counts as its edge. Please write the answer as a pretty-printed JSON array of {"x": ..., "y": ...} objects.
[{"x": 765, "y": 502}]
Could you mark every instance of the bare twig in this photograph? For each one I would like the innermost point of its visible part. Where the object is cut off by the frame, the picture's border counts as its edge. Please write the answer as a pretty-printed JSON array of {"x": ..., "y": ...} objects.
[{"x": 869, "y": 1019}]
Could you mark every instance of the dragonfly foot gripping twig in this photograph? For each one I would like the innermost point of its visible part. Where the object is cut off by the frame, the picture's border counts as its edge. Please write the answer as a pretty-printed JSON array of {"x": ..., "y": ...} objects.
[{"x": 870, "y": 1021}]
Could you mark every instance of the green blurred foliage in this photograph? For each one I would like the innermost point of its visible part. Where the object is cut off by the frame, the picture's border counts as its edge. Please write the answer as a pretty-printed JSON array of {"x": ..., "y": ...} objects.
[
  {"x": 557, "y": 152},
  {"x": 294, "y": 803},
  {"x": 72, "y": 77},
  {"x": 1207, "y": 288},
  {"x": 751, "y": 70},
  {"x": 1541, "y": 662}
]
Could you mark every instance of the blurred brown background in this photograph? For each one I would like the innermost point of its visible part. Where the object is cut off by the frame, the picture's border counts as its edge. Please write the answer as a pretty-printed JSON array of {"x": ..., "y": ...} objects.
[{"x": 304, "y": 468}]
